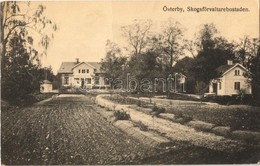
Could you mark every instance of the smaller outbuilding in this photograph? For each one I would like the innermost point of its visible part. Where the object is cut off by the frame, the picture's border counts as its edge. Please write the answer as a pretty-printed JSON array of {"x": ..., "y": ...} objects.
[
  {"x": 231, "y": 80},
  {"x": 45, "y": 86}
]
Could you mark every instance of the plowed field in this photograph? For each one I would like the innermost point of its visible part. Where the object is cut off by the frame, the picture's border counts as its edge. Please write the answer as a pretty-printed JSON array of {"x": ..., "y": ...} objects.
[{"x": 62, "y": 132}]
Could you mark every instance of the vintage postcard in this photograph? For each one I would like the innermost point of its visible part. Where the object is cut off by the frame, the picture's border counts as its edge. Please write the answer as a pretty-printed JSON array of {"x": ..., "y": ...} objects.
[{"x": 130, "y": 82}]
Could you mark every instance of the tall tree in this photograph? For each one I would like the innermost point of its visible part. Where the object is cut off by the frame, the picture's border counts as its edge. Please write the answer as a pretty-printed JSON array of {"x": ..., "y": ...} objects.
[
  {"x": 214, "y": 52},
  {"x": 254, "y": 68},
  {"x": 171, "y": 41},
  {"x": 20, "y": 60},
  {"x": 246, "y": 49},
  {"x": 205, "y": 37},
  {"x": 137, "y": 34},
  {"x": 18, "y": 79},
  {"x": 19, "y": 17},
  {"x": 185, "y": 66},
  {"x": 113, "y": 64}
]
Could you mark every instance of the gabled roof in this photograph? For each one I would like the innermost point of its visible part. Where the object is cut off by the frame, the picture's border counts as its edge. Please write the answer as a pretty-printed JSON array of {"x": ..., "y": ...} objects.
[
  {"x": 180, "y": 74},
  {"x": 82, "y": 63},
  {"x": 66, "y": 67},
  {"x": 46, "y": 82},
  {"x": 224, "y": 69}
]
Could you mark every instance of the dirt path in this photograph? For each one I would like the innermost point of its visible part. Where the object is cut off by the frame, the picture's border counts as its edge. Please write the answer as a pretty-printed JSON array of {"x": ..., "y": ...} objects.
[{"x": 62, "y": 132}]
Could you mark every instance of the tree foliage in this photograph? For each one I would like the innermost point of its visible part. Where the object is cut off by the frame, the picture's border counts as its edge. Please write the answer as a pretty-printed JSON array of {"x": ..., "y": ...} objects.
[
  {"x": 113, "y": 64},
  {"x": 20, "y": 60},
  {"x": 246, "y": 49},
  {"x": 137, "y": 34},
  {"x": 214, "y": 52},
  {"x": 171, "y": 41},
  {"x": 254, "y": 68},
  {"x": 159, "y": 54}
]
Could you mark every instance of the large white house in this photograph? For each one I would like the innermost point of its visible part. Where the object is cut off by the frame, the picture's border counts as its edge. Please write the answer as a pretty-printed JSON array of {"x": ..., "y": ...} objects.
[
  {"x": 81, "y": 74},
  {"x": 231, "y": 80}
]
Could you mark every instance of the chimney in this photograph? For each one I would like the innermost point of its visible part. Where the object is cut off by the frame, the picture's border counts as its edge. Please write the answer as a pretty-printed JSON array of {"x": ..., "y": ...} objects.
[
  {"x": 77, "y": 60},
  {"x": 230, "y": 62}
]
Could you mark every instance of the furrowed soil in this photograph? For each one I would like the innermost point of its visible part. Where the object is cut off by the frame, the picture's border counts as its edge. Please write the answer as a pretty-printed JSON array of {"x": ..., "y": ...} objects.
[{"x": 67, "y": 130}]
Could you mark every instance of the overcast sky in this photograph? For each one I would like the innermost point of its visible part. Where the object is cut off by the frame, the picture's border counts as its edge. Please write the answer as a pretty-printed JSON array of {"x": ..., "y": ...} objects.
[{"x": 85, "y": 26}]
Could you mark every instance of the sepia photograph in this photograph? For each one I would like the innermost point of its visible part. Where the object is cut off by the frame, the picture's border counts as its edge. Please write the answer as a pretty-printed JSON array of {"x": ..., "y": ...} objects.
[{"x": 132, "y": 82}]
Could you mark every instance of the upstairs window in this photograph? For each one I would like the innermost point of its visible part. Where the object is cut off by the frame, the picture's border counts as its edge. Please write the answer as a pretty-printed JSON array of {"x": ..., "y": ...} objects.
[
  {"x": 87, "y": 70},
  {"x": 237, "y": 72},
  {"x": 83, "y": 71},
  {"x": 79, "y": 70},
  {"x": 95, "y": 70},
  {"x": 220, "y": 86},
  {"x": 237, "y": 85}
]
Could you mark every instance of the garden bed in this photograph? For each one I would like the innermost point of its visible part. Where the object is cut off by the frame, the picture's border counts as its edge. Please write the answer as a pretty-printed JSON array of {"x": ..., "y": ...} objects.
[{"x": 235, "y": 117}]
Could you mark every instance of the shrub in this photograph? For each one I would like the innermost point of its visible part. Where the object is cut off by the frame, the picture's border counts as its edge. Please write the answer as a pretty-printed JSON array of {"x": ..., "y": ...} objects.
[
  {"x": 221, "y": 130},
  {"x": 157, "y": 110},
  {"x": 141, "y": 126},
  {"x": 121, "y": 115},
  {"x": 180, "y": 118},
  {"x": 178, "y": 115},
  {"x": 229, "y": 100},
  {"x": 114, "y": 107},
  {"x": 139, "y": 103}
]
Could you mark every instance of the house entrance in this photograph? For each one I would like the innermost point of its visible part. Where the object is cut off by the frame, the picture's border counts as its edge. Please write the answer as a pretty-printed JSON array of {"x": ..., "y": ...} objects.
[
  {"x": 82, "y": 82},
  {"x": 215, "y": 86}
]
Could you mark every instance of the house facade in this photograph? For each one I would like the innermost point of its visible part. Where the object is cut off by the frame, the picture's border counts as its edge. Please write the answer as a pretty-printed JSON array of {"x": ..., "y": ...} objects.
[
  {"x": 231, "y": 80},
  {"x": 81, "y": 74}
]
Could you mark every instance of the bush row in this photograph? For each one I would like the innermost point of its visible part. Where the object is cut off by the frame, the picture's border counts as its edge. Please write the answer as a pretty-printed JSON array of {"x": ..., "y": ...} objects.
[{"x": 230, "y": 100}]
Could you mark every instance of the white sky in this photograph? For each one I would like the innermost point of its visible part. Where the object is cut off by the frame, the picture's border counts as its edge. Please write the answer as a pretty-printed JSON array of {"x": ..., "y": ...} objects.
[{"x": 85, "y": 26}]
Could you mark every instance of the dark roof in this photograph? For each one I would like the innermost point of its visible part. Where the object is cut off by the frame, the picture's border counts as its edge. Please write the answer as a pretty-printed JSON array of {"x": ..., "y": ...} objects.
[
  {"x": 66, "y": 67},
  {"x": 222, "y": 69}
]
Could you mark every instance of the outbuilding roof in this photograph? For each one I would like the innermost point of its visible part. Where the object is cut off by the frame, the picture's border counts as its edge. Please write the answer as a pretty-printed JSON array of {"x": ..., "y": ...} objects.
[{"x": 46, "y": 82}]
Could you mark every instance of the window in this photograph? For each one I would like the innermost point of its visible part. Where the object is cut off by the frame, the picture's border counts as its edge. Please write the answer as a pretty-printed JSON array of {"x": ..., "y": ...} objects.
[
  {"x": 237, "y": 86},
  {"x": 66, "y": 80},
  {"x": 220, "y": 85},
  {"x": 237, "y": 72},
  {"x": 95, "y": 70},
  {"x": 87, "y": 70},
  {"x": 76, "y": 80},
  {"x": 83, "y": 71},
  {"x": 97, "y": 80},
  {"x": 79, "y": 70},
  {"x": 88, "y": 80}
]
